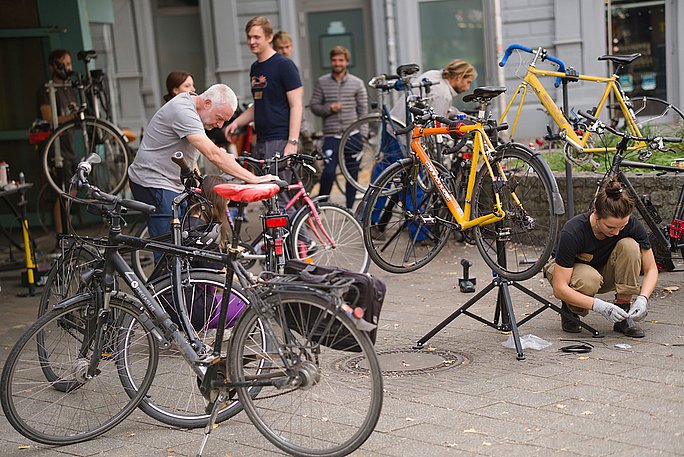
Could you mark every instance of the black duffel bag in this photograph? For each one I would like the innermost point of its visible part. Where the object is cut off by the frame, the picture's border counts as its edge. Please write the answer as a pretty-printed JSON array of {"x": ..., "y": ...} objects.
[{"x": 366, "y": 292}]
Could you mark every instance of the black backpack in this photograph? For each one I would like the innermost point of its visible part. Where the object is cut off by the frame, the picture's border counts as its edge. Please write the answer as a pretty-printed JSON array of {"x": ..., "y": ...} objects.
[{"x": 366, "y": 292}]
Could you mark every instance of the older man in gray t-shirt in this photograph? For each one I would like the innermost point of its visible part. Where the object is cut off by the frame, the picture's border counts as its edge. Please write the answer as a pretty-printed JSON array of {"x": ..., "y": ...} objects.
[{"x": 180, "y": 125}]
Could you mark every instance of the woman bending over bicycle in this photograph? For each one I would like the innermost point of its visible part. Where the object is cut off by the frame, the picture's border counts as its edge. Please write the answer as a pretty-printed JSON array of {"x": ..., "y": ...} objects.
[
  {"x": 603, "y": 250},
  {"x": 453, "y": 79}
]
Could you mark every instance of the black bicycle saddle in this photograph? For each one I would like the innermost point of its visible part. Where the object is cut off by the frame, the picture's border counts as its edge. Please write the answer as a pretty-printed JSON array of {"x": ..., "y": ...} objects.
[
  {"x": 622, "y": 60},
  {"x": 408, "y": 69},
  {"x": 484, "y": 93}
]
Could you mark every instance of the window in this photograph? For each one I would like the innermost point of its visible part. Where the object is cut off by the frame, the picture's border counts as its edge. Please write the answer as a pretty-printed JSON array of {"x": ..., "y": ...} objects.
[
  {"x": 639, "y": 26},
  {"x": 452, "y": 29}
]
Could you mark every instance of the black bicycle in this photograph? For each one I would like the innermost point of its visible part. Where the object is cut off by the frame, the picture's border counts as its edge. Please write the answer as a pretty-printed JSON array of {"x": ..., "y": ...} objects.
[
  {"x": 96, "y": 354},
  {"x": 665, "y": 234}
]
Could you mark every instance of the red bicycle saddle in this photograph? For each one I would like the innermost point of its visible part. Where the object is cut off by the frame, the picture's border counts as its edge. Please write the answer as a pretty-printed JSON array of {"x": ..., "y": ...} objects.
[{"x": 247, "y": 192}]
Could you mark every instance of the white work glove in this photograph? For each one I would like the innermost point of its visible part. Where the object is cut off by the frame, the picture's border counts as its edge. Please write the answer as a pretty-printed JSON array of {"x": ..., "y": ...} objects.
[
  {"x": 609, "y": 311},
  {"x": 639, "y": 308}
]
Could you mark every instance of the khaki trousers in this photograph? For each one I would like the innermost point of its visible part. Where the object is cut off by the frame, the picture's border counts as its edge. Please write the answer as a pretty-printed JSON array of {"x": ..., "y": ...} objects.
[{"x": 620, "y": 273}]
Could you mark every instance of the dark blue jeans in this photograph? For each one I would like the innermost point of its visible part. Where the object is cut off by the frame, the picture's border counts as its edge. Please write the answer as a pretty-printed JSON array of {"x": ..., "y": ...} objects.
[
  {"x": 158, "y": 223},
  {"x": 330, "y": 143},
  {"x": 383, "y": 206}
]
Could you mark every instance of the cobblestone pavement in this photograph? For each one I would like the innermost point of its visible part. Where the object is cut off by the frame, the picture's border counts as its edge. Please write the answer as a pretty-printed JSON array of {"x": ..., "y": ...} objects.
[{"x": 482, "y": 401}]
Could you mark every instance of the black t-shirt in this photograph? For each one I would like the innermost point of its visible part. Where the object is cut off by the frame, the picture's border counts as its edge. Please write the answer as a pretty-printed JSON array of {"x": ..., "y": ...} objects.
[
  {"x": 270, "y": 81},
  {"x": 577, "y": 243}
]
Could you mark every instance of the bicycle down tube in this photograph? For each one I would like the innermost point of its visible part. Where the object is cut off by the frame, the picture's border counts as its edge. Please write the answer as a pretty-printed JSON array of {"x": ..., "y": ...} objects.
[{"x": 461, "y": 215}]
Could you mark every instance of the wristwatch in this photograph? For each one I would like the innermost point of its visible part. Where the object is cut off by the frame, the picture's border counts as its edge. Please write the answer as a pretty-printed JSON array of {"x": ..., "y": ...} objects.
[{"x": 294, "y": 141}]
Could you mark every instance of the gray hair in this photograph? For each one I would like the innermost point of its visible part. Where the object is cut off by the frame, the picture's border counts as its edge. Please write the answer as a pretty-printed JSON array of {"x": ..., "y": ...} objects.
[{"x": 220, "y": 94}]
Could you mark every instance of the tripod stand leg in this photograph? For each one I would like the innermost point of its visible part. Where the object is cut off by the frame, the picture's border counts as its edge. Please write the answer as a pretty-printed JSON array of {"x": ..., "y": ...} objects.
[
  {"x": 454, "y": 315},
  {"x": 547, "y": 304},
  {"x": 508, "y": 320}
]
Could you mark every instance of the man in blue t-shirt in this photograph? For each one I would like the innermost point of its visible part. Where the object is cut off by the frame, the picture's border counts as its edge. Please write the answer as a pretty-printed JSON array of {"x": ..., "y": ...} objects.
[{"x": 277, "y": 91}]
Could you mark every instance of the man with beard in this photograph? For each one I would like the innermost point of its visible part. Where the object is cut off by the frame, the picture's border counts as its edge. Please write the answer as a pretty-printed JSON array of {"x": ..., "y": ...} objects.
[{"x": 340, "y": 98}]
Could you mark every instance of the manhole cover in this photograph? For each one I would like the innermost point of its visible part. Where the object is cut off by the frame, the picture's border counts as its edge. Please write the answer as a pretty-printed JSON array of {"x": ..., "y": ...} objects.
[{"x": 405, "y": 362}]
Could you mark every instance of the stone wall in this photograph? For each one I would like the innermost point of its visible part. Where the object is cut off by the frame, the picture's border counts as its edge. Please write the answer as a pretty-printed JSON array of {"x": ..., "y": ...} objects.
[{"x": 663, "y": 191}]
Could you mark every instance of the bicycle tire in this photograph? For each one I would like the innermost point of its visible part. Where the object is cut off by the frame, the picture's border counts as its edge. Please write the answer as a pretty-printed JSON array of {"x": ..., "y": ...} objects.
[
  {"x": 530, "y": 232},
  {"x": 174, "y": 397},
  {"x": 332, "y": 417},
  {"x": 104, "y": 138},
  {"x": 36, "y": 406},
  {"x": 365, "y": 150},
  {"x": 399, "y": 237},
  {"x": 142, "y": 260},
  {"x": 308, "y": 243}
]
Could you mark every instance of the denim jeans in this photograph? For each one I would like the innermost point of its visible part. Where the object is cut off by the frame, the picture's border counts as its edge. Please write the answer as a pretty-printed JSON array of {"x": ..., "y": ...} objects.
[
  {"x": 330, "y": 143},
  {"x": 159, "y": 222}
]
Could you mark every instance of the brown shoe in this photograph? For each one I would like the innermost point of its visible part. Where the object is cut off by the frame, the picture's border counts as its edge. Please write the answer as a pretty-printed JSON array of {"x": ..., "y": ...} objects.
[{"x": 567, "y": 324}]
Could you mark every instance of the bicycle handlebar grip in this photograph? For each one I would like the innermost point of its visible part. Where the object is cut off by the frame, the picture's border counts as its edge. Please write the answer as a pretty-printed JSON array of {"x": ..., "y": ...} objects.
[
  {"x": 587, "y": 115},
  {"x": 509, "y": 51},
  {"x": 672, "y": 139},
  {"x": 417, "y": 111},
  {"x": 405, "y": 130},
  {"x": 307, "y": 158},
  {"x": 179, "y": 160},
  {"x": 138, "y": 206},
  {"x": 561, "y": 68}
]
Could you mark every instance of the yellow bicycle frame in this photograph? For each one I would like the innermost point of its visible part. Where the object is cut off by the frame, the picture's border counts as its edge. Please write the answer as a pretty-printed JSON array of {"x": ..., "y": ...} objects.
[
  {"x": 531, "y": 80},
  {"x": 481, "y": 143}
]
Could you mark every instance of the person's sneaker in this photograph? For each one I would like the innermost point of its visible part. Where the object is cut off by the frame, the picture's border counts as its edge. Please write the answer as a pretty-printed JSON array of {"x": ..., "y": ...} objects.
[
  {"x": 629, "y": 328},
  {"x": 567, "y": 324}
]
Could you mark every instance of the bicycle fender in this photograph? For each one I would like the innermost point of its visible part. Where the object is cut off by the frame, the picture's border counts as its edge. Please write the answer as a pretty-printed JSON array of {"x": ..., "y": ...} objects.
[
  {"x": 71, "y": 300},
  {"x": 557, "y": 199}
]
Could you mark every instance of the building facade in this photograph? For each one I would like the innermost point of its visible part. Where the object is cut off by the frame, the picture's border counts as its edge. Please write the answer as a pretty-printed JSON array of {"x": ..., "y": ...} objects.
[{"x": 139, "y": 42}]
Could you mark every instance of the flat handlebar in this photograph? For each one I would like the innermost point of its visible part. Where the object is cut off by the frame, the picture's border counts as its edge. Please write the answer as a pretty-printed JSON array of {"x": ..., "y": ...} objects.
[{"x": 544, "y": 56}]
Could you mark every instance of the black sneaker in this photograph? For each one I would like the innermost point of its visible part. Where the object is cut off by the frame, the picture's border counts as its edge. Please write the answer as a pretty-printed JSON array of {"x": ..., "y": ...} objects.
[
  {"x": 628, "y": 327},
  {"x": 567, "y": 324}
]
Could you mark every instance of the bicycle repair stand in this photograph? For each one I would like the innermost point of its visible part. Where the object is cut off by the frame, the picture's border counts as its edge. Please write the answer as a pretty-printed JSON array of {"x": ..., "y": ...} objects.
[{"x": 504, "y": 308}]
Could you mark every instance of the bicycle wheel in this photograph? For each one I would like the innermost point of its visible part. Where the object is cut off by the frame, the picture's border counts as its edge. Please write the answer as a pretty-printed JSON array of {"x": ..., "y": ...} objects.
[
  {"x": 310, "y": 244},
  {"x": 78, "y": 139},
  {"x": 75, "y": 407},
  {"x": 64, "y": 278},
  {"x": 657, "y": 117},
  {"x": 400, "y": 235},
  {"x": 363, "y": 150},
  {"x": 337, "y": 402},
  {"x": 142, "y": 260},
  {"x": 174, "y": 397},
  {"x": 529, "y": 229}
]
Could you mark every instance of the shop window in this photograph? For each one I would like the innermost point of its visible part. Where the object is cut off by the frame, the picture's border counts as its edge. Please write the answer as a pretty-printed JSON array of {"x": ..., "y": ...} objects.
[
  {"x": 452, "y": 29},
  {"x": 639, "y": 26}
]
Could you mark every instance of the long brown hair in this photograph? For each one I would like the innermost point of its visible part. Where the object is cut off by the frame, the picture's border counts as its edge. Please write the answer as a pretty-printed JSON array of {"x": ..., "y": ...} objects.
[
  {"x": 217, "y": 212},
  {"x": 612, "y": 201},
  {"x": 173, "y": 81}
]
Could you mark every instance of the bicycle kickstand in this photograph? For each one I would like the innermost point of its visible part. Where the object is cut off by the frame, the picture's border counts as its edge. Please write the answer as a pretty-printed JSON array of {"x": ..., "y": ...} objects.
[{"x": 212, "y": 420}]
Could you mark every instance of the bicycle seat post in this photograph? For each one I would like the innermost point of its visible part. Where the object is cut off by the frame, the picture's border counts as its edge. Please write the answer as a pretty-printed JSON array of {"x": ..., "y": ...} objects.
[{"x": 237, "y": 227}]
